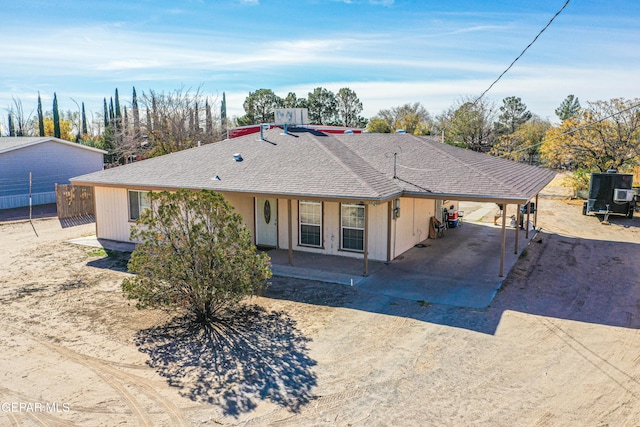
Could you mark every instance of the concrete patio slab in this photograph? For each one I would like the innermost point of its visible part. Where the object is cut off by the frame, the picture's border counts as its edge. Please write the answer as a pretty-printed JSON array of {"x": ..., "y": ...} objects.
[{"x": 460, "y": 269}]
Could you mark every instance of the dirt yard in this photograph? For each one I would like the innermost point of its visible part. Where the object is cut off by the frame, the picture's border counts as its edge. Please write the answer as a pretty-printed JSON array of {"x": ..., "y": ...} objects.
[{"x": 559, "y": 345}]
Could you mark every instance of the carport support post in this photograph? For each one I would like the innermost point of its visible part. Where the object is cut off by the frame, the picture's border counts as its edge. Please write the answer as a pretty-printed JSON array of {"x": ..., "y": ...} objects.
[
  {"x": 366, "y": 239},
  {"x": 504, "y": 238},
  {"x": 526, "y": 227},
  {"x": 515, "y": 250},
  {"x": 535, "y": 213},
  {"x": 290, "y": 228}
]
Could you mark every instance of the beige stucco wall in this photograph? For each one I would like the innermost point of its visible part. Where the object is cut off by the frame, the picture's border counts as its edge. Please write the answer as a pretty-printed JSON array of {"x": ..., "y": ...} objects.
[
  {"x": 112, "y": 222},
  {"x": 412, "y": 226},
  {"x": 245, "y": 206},
  {"x": 331, "y": 230},
  {"x": 112, "y": 214}
]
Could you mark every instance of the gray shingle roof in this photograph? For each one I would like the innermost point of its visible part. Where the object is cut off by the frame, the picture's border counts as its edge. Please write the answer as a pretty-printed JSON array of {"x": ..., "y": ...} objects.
[
  {"x": 312, "y": 164},
  {"x": 10, "y": 143}
]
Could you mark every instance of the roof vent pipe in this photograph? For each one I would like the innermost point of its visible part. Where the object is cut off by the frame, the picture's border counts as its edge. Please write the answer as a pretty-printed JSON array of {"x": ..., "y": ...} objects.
[{"x": 238, "y": 157}]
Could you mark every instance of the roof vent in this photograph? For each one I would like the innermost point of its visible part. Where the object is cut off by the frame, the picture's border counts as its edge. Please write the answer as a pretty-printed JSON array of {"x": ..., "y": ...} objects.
[
  {"x": 238, "y": 157},
  {"x": 215, "y": 178},
  {"x": 401, "y": 131},
  {"x": 348, "y": 132}
]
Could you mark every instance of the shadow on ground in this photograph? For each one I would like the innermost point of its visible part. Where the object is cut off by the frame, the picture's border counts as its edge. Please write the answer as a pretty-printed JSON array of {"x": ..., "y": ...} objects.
[
  {"x": 115, "y": 260},
  {"x": 250, "y": 356},
  {"x": 77, "y": 220},
  {"x": 592, "y": 281}
]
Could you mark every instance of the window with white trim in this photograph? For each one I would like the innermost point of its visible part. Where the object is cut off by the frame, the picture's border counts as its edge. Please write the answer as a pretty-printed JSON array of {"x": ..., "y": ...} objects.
[
  {"x": 310, "y": 220},
  {"x": 352, "y": 227},
  {"x": 138, "y": 203}
]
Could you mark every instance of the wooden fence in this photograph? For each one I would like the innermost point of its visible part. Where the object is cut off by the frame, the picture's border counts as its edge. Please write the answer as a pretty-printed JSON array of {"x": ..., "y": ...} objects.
[{"x": 74, "y": 201}]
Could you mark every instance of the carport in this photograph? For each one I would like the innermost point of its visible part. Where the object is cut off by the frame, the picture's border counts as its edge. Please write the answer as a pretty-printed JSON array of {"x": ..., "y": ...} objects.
[{"x": 458, "y": 270}]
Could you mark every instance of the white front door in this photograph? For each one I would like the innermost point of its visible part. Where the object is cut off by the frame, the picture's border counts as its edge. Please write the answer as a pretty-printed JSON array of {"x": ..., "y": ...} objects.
[{"x": 267, "y": 222}]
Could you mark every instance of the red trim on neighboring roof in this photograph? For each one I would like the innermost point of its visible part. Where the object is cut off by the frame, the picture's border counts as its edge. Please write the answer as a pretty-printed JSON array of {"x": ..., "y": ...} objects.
[{"x": 251, "y": 129}]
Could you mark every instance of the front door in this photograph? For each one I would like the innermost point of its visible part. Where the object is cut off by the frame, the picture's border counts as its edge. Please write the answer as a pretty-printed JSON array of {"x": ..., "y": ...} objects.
[{"x": 266, "y": 222}]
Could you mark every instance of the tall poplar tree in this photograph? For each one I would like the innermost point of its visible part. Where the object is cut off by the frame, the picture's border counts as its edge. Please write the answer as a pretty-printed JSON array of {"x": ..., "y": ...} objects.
[
  {"x": 12, "y": 130},
  {"x": 56, "y": 117},
  {"x": 106, "y": 114},
  {"x": 84, "y": 121},
  {"x": 40, "y": 116},
  {"x": 136, "y": 114},
  {"x": 117, "y": 112},
  {"x": 223, "y": 113}
]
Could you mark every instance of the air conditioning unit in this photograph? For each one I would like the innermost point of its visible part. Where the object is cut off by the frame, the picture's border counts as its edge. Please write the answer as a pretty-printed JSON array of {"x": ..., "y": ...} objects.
[{"x": 622, "y": 195}]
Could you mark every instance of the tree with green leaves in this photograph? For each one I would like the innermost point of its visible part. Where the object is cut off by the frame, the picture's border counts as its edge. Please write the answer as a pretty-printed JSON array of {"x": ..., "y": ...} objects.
[
  {"x": 40, "y": 117},
  {"x": 322, "y": 106},
  {"x": 56, "y": 117},
  {"x": 469, "y": 124},
  {"x": 411, "y": 118},
  {"x": 513, "y": 113},
  {"x": 292, "y": 101},
  {"x": 378, "y": 125},
  {"x": 569, "y": 108},
  {"x": 195, "y": 255},
  {"x": 117, "y": 111},
  {"x": 260, "y": 107},
  {"x": 223, "y": 114},
  {"x": 84, "y": 121},
  {"x": 135, "y": 110},
  {"x": 523, "y": 145},
  {"x": 348, "y": 107},
  {"x": 105, "y": 114},
  {"x": 12, "y": 129}
]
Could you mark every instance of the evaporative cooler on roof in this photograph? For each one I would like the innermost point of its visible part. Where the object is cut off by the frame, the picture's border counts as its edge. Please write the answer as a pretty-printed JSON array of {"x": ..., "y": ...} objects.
[{"x": 291, "y": 116}]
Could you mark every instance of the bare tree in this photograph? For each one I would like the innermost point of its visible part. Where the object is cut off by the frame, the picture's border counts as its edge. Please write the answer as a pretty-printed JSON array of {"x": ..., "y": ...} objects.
[
  {"x": 175, "y": 122},
  {"x": 19, "y": 122}
]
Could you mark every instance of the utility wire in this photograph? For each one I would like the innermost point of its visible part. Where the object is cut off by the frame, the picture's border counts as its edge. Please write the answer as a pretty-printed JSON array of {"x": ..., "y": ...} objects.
[
  {"x": 522, "y": 53},
  {"x": 569, "y": 132}
]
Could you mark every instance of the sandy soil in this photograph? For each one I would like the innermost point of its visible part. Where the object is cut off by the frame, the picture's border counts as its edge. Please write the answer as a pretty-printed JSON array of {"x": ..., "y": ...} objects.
[{"x": 558, "y": 346}]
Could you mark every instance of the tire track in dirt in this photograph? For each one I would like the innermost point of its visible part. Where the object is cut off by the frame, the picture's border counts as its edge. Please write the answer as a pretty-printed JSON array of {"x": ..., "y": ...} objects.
[
  {"x": 42, "y": 418},
  {"x": 326, "y": 406},
  {"x": 109, "y": 374},
  {"x": 117, "y": 380}
]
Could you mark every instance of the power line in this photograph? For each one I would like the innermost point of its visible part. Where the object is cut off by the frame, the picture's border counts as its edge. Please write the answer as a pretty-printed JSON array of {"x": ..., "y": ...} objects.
[
  {"x": 569, "y": 132},
  {"x": 522, "y": 53}
]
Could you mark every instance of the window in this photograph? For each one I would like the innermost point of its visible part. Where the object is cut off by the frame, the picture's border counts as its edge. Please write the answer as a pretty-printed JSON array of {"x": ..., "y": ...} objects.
[
  {"x": 352, "y": 221},
  {"x": 138, "y": 203},
  {"x": 310, "y": 223}
]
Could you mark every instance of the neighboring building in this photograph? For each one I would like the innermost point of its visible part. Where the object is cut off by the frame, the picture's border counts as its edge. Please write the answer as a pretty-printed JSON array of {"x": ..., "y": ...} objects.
[
  {"x": 49, "y": 160},
  {"x": 368, "y": 196},
  {"x": 251, "y": 129}
]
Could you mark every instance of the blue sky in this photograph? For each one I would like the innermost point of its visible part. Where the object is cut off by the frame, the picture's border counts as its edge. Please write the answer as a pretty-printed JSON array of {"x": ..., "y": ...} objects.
[{"x": 389, "y": 52}]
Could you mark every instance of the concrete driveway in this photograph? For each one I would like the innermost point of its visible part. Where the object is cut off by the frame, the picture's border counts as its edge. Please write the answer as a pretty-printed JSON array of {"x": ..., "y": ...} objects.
[{"x": 461, "y": 269}]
